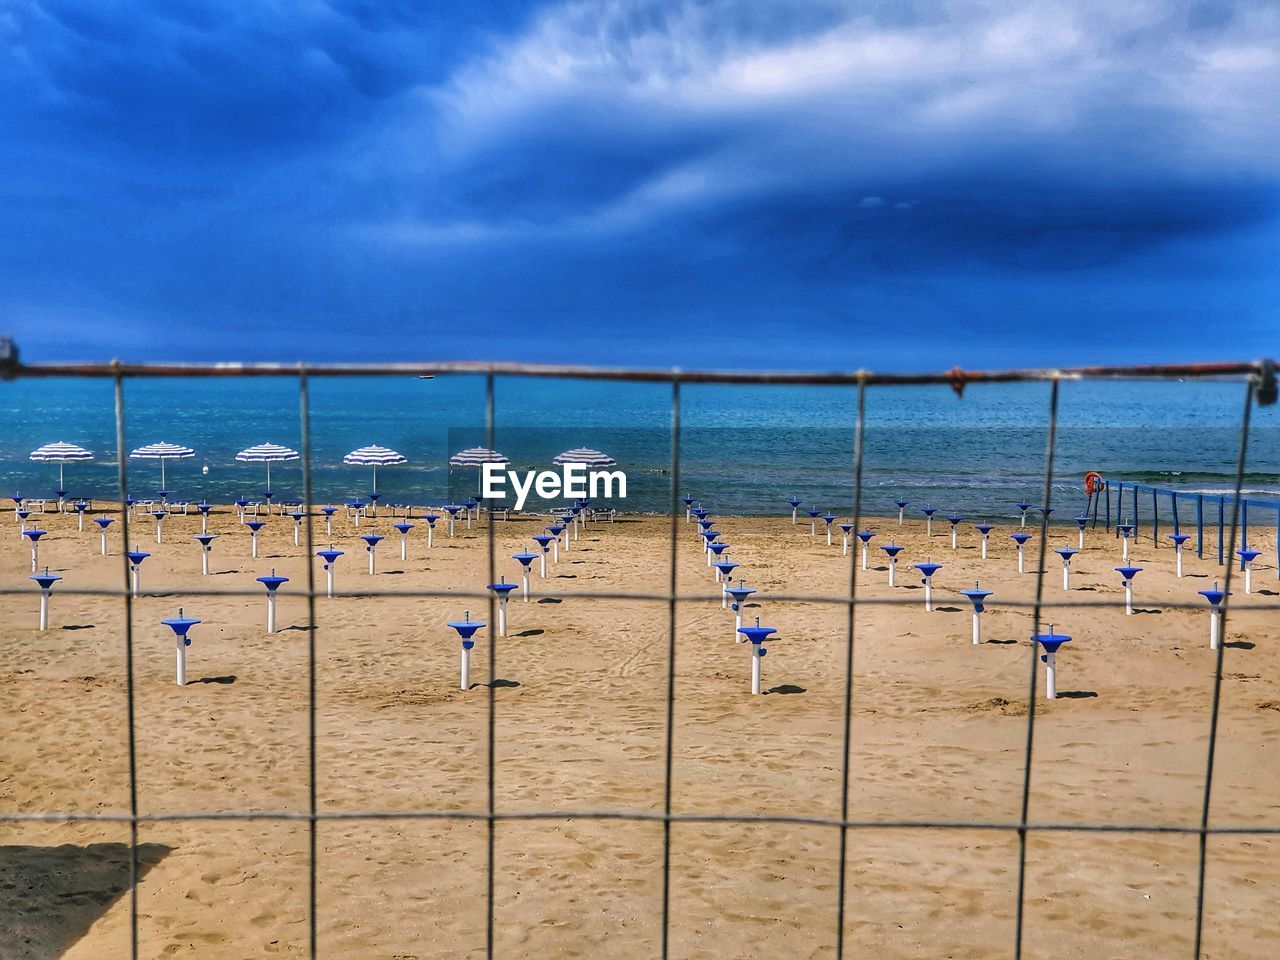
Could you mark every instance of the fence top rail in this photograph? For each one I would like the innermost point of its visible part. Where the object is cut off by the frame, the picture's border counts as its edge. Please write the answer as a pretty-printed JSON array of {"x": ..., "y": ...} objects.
[{"x": 956, "y": 378}]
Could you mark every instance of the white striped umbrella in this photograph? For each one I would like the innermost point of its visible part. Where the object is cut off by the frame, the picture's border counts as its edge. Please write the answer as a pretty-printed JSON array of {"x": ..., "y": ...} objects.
[
  {"x": 162, "y": 451},
  {"x": 267, "y": 453},
  {"x": 374, "y": 456},
  {"x": 592, "y": 458},
  {"x": 475, "y": 456},
  {"x": 60, "y": 453}
]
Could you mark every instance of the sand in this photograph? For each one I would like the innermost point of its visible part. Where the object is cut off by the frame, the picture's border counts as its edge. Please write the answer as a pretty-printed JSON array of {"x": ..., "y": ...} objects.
[{"x": 939, "y": 731}]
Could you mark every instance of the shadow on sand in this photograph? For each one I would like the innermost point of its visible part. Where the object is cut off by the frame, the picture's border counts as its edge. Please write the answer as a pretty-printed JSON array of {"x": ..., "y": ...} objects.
[{"x": 55, "y": 894}]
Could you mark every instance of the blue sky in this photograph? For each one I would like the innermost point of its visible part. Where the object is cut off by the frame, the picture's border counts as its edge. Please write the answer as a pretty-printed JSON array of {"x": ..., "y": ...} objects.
[{"x": 894, "y": 185}]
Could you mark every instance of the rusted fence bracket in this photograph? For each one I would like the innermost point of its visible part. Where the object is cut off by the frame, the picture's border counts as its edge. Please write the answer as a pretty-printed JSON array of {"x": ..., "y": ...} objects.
[{"x": 1266, "y": 383}]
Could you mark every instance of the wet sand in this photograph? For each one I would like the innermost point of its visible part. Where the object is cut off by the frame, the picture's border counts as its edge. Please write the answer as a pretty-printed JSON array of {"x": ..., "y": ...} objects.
[{"x": 939, "y": 733}]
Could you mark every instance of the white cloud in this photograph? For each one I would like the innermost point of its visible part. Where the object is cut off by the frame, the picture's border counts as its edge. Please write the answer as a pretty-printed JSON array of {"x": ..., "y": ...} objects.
[{"x": 866, "y": 102}]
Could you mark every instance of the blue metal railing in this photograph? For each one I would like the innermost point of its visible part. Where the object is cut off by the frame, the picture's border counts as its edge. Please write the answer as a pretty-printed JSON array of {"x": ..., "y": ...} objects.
[{"x": 1123, "y": 501}]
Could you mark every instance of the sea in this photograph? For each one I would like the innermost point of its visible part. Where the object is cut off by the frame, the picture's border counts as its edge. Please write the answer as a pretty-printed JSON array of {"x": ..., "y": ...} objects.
[{"x": 743, "y": 449}]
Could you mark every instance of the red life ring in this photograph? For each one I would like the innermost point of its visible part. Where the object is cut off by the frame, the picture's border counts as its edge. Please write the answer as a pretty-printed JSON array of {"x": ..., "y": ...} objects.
[{"x": 1092, "y": 482}]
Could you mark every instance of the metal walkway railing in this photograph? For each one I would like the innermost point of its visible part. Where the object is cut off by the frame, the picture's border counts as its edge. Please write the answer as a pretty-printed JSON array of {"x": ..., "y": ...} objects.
[{"x": 1215, "y": 518}]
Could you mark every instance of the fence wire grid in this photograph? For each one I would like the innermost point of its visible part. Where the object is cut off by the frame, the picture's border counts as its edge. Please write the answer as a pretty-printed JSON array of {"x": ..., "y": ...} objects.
[{"x": 1259, "y": 383}]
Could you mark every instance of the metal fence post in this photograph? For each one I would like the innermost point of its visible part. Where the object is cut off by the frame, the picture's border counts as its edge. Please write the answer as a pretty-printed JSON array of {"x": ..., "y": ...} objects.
[
  {"x": 1200, "y": 525},
  {"x": 1221, "y": 509}
]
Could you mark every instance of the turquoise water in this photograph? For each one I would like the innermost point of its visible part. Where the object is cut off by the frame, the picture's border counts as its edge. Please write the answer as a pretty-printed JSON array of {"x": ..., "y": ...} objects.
[{"x": 744, "y": 449}]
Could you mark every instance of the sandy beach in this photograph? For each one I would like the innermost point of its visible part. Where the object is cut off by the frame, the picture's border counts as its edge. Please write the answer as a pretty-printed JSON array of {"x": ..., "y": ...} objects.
[{"x": 939, "y": 731}]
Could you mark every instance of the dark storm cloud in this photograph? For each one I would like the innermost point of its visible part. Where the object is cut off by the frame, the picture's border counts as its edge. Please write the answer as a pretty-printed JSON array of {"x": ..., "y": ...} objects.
[
  {"x": 988, "y": 224},
  {"x": 208, "y": 82}
]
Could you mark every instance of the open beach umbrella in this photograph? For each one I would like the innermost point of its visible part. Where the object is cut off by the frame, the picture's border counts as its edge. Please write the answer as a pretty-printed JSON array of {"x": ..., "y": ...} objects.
[
  {"x": 60, "y": 453},
  {"x": 475, "y": 456},
  {"x": 267, "y": 453},
  {"x": 374, "y": 456},
  {"x": 592, "y": 458},
  {"x": 162, "y": 451}
]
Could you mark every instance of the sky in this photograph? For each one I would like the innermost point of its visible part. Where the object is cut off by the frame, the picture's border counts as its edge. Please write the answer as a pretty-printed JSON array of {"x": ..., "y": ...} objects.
[{"x": 737, "y": 184}]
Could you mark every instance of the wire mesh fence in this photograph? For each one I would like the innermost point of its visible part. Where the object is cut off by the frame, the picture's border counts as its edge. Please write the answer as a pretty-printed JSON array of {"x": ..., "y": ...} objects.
[{"x": 1257, "y": 381}]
